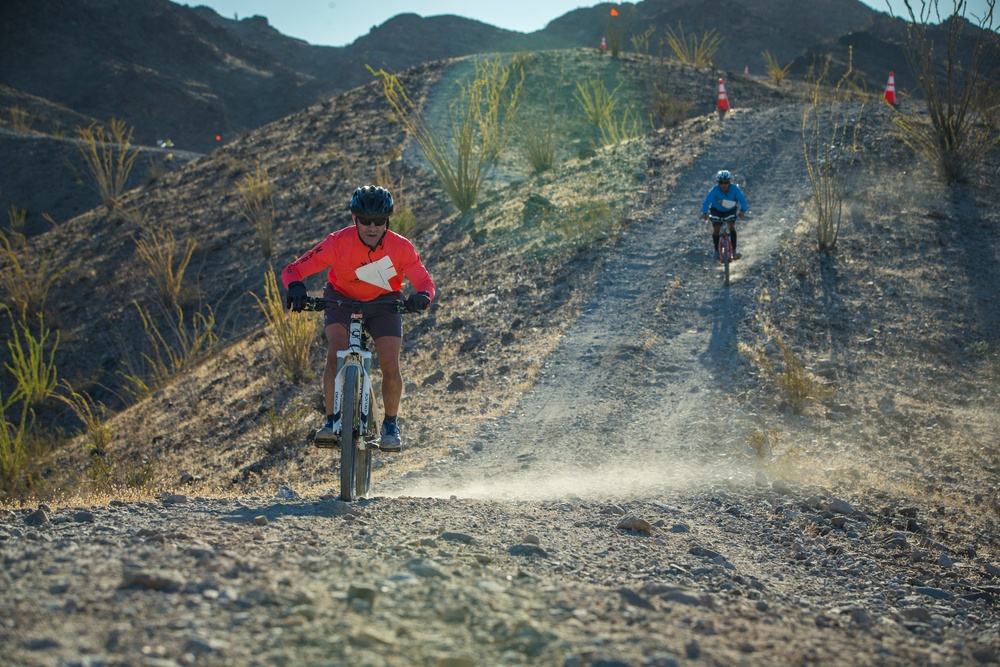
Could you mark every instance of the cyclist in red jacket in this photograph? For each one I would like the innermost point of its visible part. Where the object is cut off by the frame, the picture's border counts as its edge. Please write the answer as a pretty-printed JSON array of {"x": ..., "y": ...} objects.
[{"x": 366, "y": 261}]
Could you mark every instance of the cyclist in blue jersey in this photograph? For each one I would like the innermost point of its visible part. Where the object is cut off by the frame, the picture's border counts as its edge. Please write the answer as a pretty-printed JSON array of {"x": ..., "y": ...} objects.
[{"x": 722, "y": 200}]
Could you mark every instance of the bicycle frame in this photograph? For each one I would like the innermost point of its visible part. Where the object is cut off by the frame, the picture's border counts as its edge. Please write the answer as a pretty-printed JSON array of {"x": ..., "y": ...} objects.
[
  {"x": 725, "y": 242},
  {"x": 354, "y": 399},
  {"x": 359, "y": 355}
]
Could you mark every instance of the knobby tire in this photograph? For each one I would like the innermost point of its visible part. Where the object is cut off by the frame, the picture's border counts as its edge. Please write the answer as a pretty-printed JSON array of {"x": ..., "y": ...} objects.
[
  {"x": 725, "y": 249},
  {"x": 363, "y": 460},
  {"x": 349, "y": 435}
]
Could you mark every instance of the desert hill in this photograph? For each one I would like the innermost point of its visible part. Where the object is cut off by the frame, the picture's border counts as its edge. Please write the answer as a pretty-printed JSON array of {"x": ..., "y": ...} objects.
[
  {"x": 200, "y": 80},
  {"x": 162, "y": 67},
  {"x": 188, "y": 74},
  {"x": 605, "y": 461}
]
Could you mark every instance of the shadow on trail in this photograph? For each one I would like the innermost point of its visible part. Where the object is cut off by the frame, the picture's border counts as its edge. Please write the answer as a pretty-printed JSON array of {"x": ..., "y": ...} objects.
[
  {"x": 726, "y": 314},
  {"x": 974, "y": 241},
  {"x": 330, "y": 509}
]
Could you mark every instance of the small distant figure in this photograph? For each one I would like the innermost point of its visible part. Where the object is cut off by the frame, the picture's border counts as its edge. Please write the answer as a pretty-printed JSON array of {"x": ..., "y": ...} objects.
[{"x": 722, "y": 200}]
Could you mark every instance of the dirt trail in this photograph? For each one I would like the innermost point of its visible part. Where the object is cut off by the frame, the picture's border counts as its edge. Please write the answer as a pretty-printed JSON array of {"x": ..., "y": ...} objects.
[{"x": 626, "y": 398}]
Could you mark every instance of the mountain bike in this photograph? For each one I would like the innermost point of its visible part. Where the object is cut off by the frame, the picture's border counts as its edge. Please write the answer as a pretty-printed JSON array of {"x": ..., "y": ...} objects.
[
  {"x": 355, "y": 406},
  {"x": 725, "y": 241}
]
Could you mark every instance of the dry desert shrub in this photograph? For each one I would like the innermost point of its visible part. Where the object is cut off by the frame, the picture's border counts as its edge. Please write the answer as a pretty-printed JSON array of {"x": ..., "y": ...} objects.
[
  {"x": 774, "y": 69},
  {"x": 33, "y": 376},
  {"x": 830, "y": 126},
  {"x": 109, "y": 156},
  {"x": 597, "y": 101},
  {"x": 92, "y": 415},
  {"x": 26, "y": 274},
  {"x": 482, "y": 122},
  {"x": 21, "y": 119},
  {"x": 959, "y": 124},
  {"x": 403, "y": 220},
  {"x": 691, "y": 49},
  {"x": 168, "y": 351},
  {"x": 291, "y": 335},
  {"x": 257, "y": 205},
  {"x": 797, "y": 387},
  {"x": 164, "y": 265}
]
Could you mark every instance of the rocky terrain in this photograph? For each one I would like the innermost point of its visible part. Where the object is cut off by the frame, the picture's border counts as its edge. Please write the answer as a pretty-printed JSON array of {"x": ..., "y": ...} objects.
[{"x": 595, "y": 471}]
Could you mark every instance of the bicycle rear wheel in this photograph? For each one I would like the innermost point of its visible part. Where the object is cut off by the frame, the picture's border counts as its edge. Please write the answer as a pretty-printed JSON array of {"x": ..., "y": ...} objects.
[{"x": 349, "y": 435}]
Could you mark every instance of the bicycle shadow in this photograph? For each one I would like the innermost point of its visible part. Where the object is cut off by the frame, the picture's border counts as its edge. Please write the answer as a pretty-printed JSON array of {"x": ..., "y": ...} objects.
[
  {"x": 329, "y": 509},
  {"x": 975, "y": 260},
  {"x": 721, "y": 354}
]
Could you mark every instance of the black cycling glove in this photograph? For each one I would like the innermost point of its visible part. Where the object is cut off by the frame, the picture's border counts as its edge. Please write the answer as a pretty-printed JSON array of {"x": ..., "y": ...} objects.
[
  {"x": 295, "y": 297},
  {"x": 418, "y": 301}
]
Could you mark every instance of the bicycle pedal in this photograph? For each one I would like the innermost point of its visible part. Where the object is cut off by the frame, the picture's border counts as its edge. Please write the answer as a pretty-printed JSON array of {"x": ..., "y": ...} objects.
[{"x": 325, "y": 443}]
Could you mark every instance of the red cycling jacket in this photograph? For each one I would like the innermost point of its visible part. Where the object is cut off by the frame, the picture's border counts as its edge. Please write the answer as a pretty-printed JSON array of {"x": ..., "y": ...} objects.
[{"x": 347, "y": 257}]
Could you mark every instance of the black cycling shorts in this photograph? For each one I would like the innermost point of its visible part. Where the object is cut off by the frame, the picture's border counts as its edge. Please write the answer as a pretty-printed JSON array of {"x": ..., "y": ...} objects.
[
  {"x": 379, "y": 319},
  {"x": 721, "y": 214}
]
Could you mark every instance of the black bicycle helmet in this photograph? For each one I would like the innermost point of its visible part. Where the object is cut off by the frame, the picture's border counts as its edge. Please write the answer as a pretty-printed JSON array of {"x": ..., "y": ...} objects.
[
  {"x": 371, "y": 201},
  {"x": 723, "y": 177}
]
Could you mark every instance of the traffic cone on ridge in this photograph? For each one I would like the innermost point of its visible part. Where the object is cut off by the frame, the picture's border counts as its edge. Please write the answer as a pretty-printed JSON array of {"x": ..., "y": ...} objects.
[
  {"x": 723, "y": 98},
  {"x": 890, "y": 90}
]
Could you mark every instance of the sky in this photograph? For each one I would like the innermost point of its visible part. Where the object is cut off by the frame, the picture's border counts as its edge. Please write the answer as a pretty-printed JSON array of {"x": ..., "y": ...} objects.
[{"x": 340, "y": 22}]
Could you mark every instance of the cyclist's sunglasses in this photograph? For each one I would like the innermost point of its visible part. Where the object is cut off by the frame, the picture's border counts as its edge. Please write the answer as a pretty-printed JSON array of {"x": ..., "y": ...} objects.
[{"x": 378, "y": 222}]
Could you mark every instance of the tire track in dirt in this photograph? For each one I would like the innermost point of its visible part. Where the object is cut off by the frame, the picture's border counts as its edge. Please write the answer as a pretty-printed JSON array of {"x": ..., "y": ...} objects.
[{"x": 628, "y": 401}]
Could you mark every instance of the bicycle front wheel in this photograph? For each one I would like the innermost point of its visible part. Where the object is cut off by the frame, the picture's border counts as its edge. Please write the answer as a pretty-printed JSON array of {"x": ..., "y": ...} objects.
[
  {"x": 350, "y": 437},
  {"x": 726, "y": 252}
]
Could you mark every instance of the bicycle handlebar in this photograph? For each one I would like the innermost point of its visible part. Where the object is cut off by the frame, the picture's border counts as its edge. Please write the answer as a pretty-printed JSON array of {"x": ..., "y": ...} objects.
[
  {"x": 316, "y": 303},
  {"x": 725, "y": 218}
]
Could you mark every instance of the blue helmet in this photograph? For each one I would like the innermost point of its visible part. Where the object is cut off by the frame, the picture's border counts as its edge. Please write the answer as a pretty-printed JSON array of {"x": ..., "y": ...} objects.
[
  {"x": 723, "y": 176},
  {"x": 371, "y": 201}
]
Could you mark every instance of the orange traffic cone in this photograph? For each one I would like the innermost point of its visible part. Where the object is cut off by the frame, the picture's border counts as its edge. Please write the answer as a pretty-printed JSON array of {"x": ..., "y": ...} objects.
[
  {"x": 723, "y": 99},
  {"x": 604, "y": 44},
  {"x": 890, "y": 90}
]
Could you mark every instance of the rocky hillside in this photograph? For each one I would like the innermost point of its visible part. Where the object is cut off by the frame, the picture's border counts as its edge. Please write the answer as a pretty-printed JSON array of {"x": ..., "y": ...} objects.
[
  {"x": 202, "y": 80},
  {"x": 188, "y": 74}
]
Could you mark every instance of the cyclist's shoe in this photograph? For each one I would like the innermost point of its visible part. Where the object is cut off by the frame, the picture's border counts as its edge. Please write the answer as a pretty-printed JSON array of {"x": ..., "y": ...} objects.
[
  {"x": 736, "y": 256},
  {"x": 328, "y": 436},
  {"x": 390, "y": 441}
]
